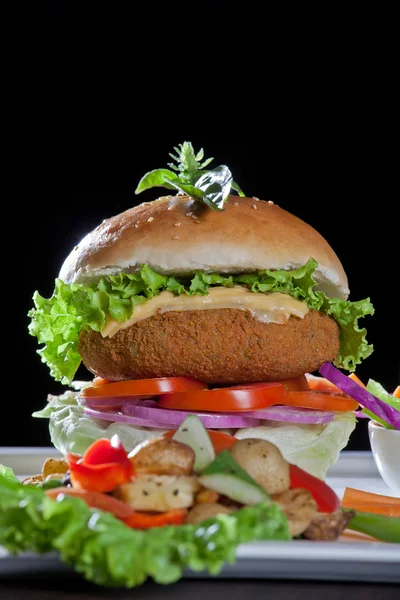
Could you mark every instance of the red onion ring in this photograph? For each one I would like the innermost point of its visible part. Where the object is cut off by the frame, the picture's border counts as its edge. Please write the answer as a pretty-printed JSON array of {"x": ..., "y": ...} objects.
[
  {"x": 120, "y": 418},
  {"x": 173, "y": 418},
  {"x": 292, "y": 414},
  {"x": 361, "y": 395}
]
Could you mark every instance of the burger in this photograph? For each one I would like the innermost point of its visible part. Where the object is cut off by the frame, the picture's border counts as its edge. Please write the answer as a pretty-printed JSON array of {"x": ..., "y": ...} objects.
[{"x": 208, "y": 302}]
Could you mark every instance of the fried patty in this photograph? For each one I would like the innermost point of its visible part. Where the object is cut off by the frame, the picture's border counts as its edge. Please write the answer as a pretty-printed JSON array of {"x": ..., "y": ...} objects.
[{"x": 221, "y": 346}]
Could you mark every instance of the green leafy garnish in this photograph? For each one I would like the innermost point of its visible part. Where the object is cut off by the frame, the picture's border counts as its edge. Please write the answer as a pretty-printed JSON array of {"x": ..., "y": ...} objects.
[
  {"x": 58, "y": 321},
  {"x": 107, "y": 552},
  {"x": 189, "y": 177}
]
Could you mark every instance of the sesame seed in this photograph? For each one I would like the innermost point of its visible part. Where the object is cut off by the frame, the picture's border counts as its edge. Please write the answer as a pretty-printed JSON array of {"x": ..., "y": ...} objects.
[
  {"x": 270, "y": 202},
  {"x": 176, "y": 237},
  {"x": 196, "y": 221},
  {"x": 189, "y": 214},
  {"x": 136, "y": 225},
  {"x": 236, "y": 203},
  {"x": 177, "y": 225},
  {"x": 150, "y": 219},
  {"x": 170, "y": 207},
  {"x": 255, "y": 206},
  {"x": 255, "y": 198}
]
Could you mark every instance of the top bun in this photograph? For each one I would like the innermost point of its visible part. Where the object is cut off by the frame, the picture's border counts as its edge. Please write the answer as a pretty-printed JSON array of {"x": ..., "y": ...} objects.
[{"x": 176, "y": 235}]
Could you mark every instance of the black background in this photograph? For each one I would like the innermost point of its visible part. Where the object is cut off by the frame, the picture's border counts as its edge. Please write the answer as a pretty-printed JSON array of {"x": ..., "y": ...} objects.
[{"x": 95, "y": 98}]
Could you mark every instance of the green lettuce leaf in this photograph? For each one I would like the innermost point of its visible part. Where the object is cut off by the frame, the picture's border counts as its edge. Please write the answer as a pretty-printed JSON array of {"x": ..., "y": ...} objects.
[
  {"x": 314, "y": 448},
  {"x": 107, "y": 552},
  {"x": 379, "y": 391},
  {"x": 72, "y": 431},
  {"x": 58, "y": 321}
]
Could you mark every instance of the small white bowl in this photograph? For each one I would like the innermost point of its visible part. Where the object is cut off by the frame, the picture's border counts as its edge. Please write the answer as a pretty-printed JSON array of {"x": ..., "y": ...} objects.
[{"x": 385, "y": 446}]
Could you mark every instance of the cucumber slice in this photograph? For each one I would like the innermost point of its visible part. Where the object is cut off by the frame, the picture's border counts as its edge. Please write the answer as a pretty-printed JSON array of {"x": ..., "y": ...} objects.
[
  {"x": 193, "y": 433},
  {"x": 234, "y": 488},
  {"x": 226, "y": 477}
]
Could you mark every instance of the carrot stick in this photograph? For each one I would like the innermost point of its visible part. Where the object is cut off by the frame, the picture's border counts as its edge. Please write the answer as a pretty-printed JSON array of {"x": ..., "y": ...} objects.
[
  {"x": 396, "y": 392},
  {"x": 369, "y": 502}
]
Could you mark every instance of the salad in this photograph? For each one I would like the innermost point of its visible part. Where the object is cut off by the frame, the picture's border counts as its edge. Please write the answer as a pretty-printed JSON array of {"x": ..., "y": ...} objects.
[{"x": 186, "y": 499}]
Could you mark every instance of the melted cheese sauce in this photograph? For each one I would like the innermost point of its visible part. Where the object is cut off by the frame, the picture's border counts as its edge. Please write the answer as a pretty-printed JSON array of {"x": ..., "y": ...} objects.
[{"x": 269, "y": 308}]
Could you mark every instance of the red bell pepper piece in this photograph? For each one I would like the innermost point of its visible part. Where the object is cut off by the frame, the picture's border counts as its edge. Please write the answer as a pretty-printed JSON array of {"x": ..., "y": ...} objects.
[
  {"x": 326, "y": 499},
  {"x": 143, "y": 520},
  {"x": 103, "y": 467},
  {"x": 105, "y": 451}
]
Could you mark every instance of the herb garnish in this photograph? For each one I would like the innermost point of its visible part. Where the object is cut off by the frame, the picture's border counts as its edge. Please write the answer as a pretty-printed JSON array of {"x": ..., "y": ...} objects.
[{"x": 211, "y": 186}]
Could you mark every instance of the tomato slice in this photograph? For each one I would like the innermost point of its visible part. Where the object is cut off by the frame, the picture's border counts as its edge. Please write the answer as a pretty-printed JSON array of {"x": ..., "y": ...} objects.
[
  {"x": 220, "y": 441},
  {"x": 101, "y": 381},
  {"x": 320, "y": 401},
  {"x": 320, "y": 384},
  {"x": 233, "y": 399},
  {"x": 144, "y": 387},
  {"x": 323, "y": 495},
  {"x": 298, "y": 384}
]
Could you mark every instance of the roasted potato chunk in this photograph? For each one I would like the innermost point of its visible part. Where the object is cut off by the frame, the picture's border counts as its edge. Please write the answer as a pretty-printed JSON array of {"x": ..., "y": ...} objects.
[
  {"x": 159, "y": 493},
  {"x": 201, "y": 512},
  {"x": 54, "y": 465},
  {"x": 164, "y": 457},
  {"x": 34, "y": 480},
  {"x": 299, "y": 507},
  {"x": 264, "y": 463}
]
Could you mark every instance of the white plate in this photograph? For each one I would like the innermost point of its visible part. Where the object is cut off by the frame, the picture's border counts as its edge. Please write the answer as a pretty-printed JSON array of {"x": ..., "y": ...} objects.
[{"x": 344, "y": 561}]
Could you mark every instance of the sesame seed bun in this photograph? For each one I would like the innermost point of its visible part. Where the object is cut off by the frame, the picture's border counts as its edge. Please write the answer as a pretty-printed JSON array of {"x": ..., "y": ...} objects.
[{"x": 176, "y": 235}]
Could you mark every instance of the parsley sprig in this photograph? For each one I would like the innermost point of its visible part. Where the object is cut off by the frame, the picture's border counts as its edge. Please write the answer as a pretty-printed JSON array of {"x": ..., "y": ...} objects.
[{"x": 189, "y": 177}]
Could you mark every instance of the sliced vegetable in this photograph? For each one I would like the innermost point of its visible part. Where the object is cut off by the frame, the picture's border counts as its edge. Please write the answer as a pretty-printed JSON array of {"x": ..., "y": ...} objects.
[
  {"x": 106, "y": 451},
  {"x": 117, "y": 417},
  {"x": 193, "y": 433},
  {"x": 220, "y": 441},
  {"x": 327, "y": 401},
  {"x": 99, "y": 478},
  {"x": 380, "y": 527},
  {"x": 103, "y": 467},
  {"x": 354, "y": 377},
  {"x": 290, "y": 414},
  {"x": 143, "y": 520},
  {"x": 226, "y": 477},
  {"x": 369, "y": 502},
  {"x": 172, "y": 418},
  {"x": 372, "y": 403},
  {"x": 143, "y": 387},
  {"x": 396, "y": 393},
  {"x": 94, "y": 500},
  {"x": 231, "y": 399},
  {"x": 325, "y": 497},
  {"x": 320, "y": 384},
  {"x": 297, "y": 384}
]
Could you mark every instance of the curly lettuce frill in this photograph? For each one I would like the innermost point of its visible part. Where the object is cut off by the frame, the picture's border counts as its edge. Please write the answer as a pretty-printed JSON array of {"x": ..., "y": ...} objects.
[{"x": 58, "y": 321}]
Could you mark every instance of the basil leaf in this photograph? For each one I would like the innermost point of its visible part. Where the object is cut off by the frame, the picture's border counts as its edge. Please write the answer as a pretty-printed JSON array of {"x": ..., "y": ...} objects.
[
  {"x": 186, "y": 188},
  {"x": 237, "y": 189},
  {"x": 215, "y": 185},
  {"x": 155, "y": 178}
]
